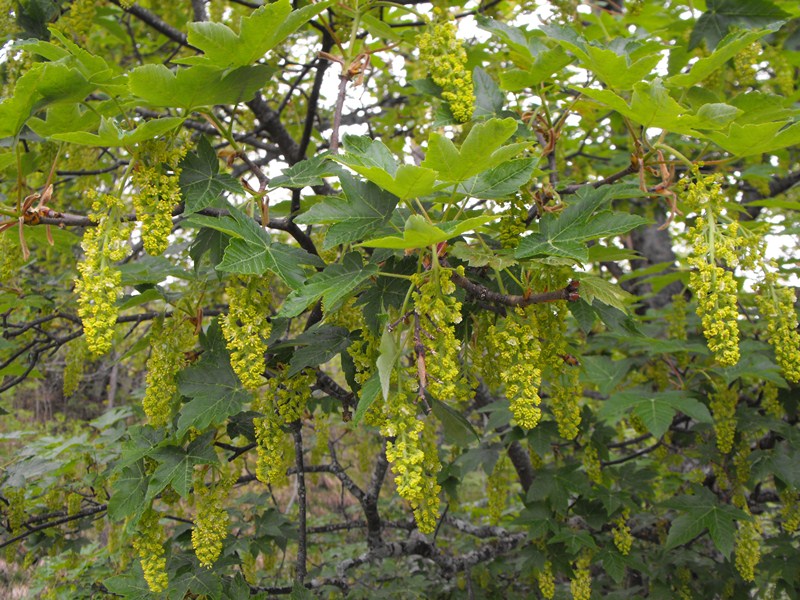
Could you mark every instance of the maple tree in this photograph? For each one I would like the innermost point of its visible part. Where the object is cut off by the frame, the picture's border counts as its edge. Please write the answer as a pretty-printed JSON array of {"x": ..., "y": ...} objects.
[{"x": 371, "y": 297}]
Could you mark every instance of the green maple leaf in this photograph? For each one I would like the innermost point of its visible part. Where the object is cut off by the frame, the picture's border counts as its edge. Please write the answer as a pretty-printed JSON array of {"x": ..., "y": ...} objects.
[
  {"x": 722, "y": 15},
  {"x": 364, "y": 209},
  {"x": 334, "y": 285},
  {"x": 196, "y": 86},
  {"x": 656, "y": 409},
  {"x": 176, "y": 465},
  {"x": 583, "y": 220},
  {"x": 373, "y": 160},
  {"x": 251, "y": 250},
  {"x": 128, "y": 491},
  {"x": 419, "y": 233},
  {"x": 258, "y": 33},
  {"x": 214, "y": 391},
  {"x": 201, "y": 182},
  {"x": 703, "y": 512},
  {"x": 307, "y": 172},
  {"x": 481, "y": 150}
]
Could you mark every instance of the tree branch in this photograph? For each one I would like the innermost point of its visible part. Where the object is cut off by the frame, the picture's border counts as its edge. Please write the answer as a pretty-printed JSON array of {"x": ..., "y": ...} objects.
[
  {"x": 482, "y": 293},
  {"x": 86, "y": 512},
  {"x": 157, "y": 23}
]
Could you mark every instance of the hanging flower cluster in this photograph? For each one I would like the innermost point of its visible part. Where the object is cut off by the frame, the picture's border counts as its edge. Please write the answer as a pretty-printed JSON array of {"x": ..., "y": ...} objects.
[
  {"x": 169, "y": 340},
  {"x": 581, "y": 583},
  {"x": 292, "y": 396},
  {"x": 157, "y": 194},
  {"x": 714, "y": 241},
  {"x": 99, "y": 284},
  {"x": 546, "y": 580},
  {"x": 747, "y": 549},
  {"x": 592, "y": 464},
  {"x": 156, "y": 191},
  {"x": 149, "y": 545},
  {"x": 514, "y": 343},
  {"x": 211, "y": 520},
  {"x": 274, "y": 454},
  {"x": 75, "y": 361},
  {"x": 723, "y": 403},
  {"x": 246, "y": 327},
  {"x": 564, "y": 403},
  {"x": 438, "y": 311},
  {"x": 776, "y": 305},
  {"x": 413, "y": 453},
  {"x": 443, "y": 54},
  {"x": 623, "y": 539},
  {"x": 790, "y": 510},
  {"x": 497, "y": 489}
]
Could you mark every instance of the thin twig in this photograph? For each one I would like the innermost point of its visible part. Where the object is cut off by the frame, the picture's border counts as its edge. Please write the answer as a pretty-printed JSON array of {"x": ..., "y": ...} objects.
[
  {"x": 87, "y": 512},
  {"x": 337, "y": 113}
]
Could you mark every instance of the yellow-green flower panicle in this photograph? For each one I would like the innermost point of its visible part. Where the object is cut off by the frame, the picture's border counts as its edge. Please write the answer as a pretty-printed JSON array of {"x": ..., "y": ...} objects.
[
  {"x": 99, "y": 283},
  {"x": 592, "y": 464},
  {"x": 443, "y": 54},
  {"x": 273, "y": 452},
  {"x": 149, "y": 545},
  {"x": 497, "y": 486},
  {"x": 426, "y": 512},
  {"x": 413, "y": 455},
  {"x": 246, "y": 327},
  {"x": 676, "y": 318},
  {"x": 581, "y": 582},
  {"x": 776, "y": 305},
  {"x": 745, "y": 64},
  {"x": 716, "y": 240},
  {"x": 438, "y": 312},
  {"x": 723, "y": 407},
  {"x": 79, "y": 19},
  {"x": 157, "y": 193},
  {"x": 790, "y": 510},
  {"x": 747, "y": 549},
  {"x": 169, "y": 339},
  {"x": 210, "y": 522},
  {"x": 365, "y": 352},
  {"x": 546, "y": 580},
  {"x": 11, "y": 258},
  {"x": 516, "y": 346},
  {"x": 565, "y": 403},
  {"x": 292, "y": 394},
  {"x": 716, "y": 292},
  {"x": 770, "y": 402},
  {"x": 623, "y": 539},
  {"x": 75, "y": 361}
]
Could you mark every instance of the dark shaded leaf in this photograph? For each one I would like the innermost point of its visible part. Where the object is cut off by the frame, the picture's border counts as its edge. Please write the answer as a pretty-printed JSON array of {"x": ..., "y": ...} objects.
[{"x": 201, "y": 182}]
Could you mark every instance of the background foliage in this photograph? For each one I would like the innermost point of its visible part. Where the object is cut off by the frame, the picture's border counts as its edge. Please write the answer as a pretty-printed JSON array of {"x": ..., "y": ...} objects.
[{"x": 383, "y": 299}]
